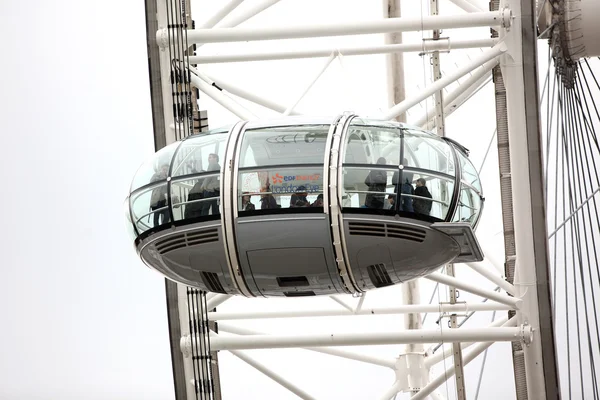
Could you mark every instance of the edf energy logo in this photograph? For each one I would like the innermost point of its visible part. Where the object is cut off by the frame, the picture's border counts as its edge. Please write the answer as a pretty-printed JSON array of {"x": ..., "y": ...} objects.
[
  {"x": 278, "y": 178},
  {"x": 290, "y": 183}
]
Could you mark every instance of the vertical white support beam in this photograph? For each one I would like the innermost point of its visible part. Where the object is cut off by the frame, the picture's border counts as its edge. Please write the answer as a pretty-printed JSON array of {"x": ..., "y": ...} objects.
[
  {"x": 532, "y": 283},
  {"x": 394, "y": 61}
]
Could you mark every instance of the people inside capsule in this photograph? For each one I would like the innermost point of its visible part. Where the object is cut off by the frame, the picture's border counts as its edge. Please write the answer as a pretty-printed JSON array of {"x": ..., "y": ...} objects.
[
  {"x": 421, "y": 205},
  {"x": 318, "y": 202},
  {"x": 247, "y": 205},
  {"x": 211, "y": 186},
  {"x": 158, "y": 198},
  {"x": 376, "y": 181},
  {"x": 406, "y": 188},
  {"x": 299, "y": 198},
  {"x": 267, "y": 201},
  {"x": 194, "y": 205}
]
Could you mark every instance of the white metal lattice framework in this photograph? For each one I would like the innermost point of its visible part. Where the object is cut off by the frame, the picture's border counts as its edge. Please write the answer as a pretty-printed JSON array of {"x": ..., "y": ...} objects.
[{"x": 245, "y": 326}]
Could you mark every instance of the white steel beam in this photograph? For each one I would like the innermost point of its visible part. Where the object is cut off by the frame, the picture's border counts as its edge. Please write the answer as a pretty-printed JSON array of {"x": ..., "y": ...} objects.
[
  {"x": 247, "y": 14},
  {"x": 246, "y": 95},
  {"x": 391, "y": 392},
  {"x": 366, "y": 358},
  {"x": 220, "y": 98},
  {"x": 460, "y": 308},
  {"x": 370, "y": 339},
  {"x": 444, "y": 44},
  {"x": 531, "y": 273},
  {"x": 483, "y": 270},
  {"x": 484, "y": 57},
  {"x": 467, "y": 287},
  {"x": 453, "y": 100},
  {"x": 311, "y": 84},
  {"x": 271, "y": 374},
  {"x": 222, "y": 13},
  {"x": 446, "y": 351},
  {"x": 467, "y": 6},
  {"x": 219, "y": 35},
  {"x": 216, "y": 301},
  {"x": 467, "y": 358}
]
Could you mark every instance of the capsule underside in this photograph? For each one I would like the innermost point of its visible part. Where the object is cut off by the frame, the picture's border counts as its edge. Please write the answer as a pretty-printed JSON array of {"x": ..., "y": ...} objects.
[{"x": 305, "y": 207}]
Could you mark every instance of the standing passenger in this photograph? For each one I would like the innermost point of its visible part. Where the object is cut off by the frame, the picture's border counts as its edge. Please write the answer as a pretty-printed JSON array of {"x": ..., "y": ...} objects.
[
  {"x": 267, "y": 201},
  {"x": 422, "y": 206},
  {"x": 246, "y": 203},
  {"x": 211, "y": 186},
  {"x": 158, "y": 198},
  {"x": 376, "y": 182}
]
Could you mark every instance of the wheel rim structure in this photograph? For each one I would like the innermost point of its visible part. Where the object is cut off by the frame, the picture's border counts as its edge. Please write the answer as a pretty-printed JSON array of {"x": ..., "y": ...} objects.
[{"x": 296, "y": 54}]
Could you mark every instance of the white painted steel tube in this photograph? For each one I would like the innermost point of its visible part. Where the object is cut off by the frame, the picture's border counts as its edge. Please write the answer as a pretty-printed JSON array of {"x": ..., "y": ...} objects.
[
  {"x": 222, "y": 13},
  {"x": 220, "y": 98},
  {"x": 467, "y": 358},
  {"x": 460, "y": 308},
  {"x": 366, "y": 358},
  {"x": 446, "y": 351},
  {"x": 467, "y": 287},
  {"x": 471, "y": 20},
  {"x": 244, "y": 94},
  {"x": 483, "y": 58},
  {"x": 424, "y": 46},
  {"x": 391, "y": 392},
  {"x": 466, "y": 6},
  {"x": 368, "y": 339},
  {"x": 490, "y": 274},
  {"x": 342, "y": 303},
  {"x": 312, "y": 83},
  {"x": 217, "y": 300},
  {"x": 247, "y": 14},
  {"x": 470, "y": 84},
  {"x": 273, "y": 375}
]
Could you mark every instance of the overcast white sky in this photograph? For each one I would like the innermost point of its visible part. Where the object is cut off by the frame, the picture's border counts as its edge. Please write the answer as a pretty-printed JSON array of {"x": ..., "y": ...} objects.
[{"x": 81, "y": 316}]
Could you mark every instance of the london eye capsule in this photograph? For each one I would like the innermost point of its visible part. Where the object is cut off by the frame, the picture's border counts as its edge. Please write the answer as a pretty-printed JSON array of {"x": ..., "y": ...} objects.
[{"x": 305, "y": 206}]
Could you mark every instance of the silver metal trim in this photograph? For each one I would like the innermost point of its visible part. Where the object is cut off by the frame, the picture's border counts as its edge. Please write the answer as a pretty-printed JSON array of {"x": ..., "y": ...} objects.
[
  {"x": 227, "y": 214},
  {"x": 245, "y": 221},
  {"x": 326, "y": 159},
  {"x": 336, "y": 219}
]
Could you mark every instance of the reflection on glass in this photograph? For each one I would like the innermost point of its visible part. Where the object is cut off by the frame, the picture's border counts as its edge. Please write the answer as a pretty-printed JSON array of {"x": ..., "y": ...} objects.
[
  {"x": 130, "y": 228},
  {"x": 156, "y": 168},
  {"x": 469, "y": 173},
  {"x": 372, "y": 144},
  {"x": 284, "y": 145},
  {"x": 199, "y": 154},
  {"x": 276, "y": 188},
  {"x": 149, "y": 208},
  {"x": 427, "y": 151},
  {"x": 469, "y": 206}
]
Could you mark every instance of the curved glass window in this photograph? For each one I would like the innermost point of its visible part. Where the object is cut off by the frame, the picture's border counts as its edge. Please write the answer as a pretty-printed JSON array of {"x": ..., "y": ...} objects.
[
  {"x": 194, "y": 155},
  {"x": 304, "y": 144},
  {"x": 282, "y": 167},
  {"x": 469, "y": 206},
  {"x": 156, "y": 168},
  {"x": 469, "y": 174},
  {"x": 149, "y": 207},
  {"x": 388, "y": 167}
]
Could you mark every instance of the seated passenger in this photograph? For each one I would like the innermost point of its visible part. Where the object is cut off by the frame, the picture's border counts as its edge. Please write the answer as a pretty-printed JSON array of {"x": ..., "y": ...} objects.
[
  {"x": 422, "y": 206},
  {"x": 211, "y": 186},
  {"x": 376, "y": 182},
  {"x": 318, "y": 202},
  {"x": 194, "y": 207},
  {"x": 299, "y": 198},
  {"x": 267, "y": 201},
  {"x": 246, "y": 203}
]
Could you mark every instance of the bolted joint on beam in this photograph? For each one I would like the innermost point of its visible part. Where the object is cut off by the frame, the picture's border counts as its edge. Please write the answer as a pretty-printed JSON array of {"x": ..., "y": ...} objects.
[
  {"x": 526, "y": 334},
  {"x": 162, "y": 38}
]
